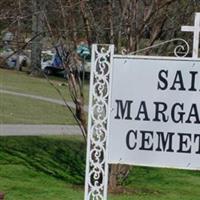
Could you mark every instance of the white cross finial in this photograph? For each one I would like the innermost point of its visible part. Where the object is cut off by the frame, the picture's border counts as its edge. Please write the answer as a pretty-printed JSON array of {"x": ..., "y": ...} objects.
[{"x": 196, "y": 30}]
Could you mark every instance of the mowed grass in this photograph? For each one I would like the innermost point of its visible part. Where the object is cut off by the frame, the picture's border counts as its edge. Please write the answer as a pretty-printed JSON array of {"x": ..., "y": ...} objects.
[
  {"x": 24, "y": 83},
  {"x": 53, "y": 168},
  {"x": 162, "y": 184},
  {"x": 18, "y": 182},
  {"x": 42, "y": 168},
  {"x": 22, "y": 110}
]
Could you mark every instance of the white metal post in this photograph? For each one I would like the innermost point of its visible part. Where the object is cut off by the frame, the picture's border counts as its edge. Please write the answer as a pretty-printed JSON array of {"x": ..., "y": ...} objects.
[
  {"x": 196, "y": 30},
  {"x": 99, "y": 105}
]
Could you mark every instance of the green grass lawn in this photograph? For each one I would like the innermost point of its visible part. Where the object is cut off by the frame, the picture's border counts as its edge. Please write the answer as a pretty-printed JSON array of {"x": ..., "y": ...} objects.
[
  {"x": 22, "y": 110},
  {"x": 53, "y": 168},
  {"x": 18, "y": 182},
  {"x": 163, "y": 184},
  {"x": 22, "y": 82},
  {"x": 42, "y": 168}
]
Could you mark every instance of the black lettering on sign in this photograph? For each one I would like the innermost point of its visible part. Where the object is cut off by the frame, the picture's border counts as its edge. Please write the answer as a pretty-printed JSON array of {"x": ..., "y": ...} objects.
[
  {"x": 193, "y": 114},
  {"x": 142, "y": 111},
  {"x": 146, "y": 140},
  {"x": 131, "y": 139},
  {"x": 174, "y": 112},
  {"x": 123, "y": 109},
  {"x": 184, "y": 139},
  {"x": 178, "y": 81},
  {"x": 165, "y": 142},
  {"x": 193, "y": 76},
  {"x": 197, "y": 137},
  {"x": 160, "y": 109},
  {"x": 162, "y": 84}
]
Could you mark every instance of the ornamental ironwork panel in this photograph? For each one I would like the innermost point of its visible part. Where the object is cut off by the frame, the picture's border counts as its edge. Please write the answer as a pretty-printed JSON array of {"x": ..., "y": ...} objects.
[{"x": 97, "y": 166}]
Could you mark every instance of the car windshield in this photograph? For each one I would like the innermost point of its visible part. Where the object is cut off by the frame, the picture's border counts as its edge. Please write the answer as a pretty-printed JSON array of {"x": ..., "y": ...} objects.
[{"x": 46, "y": 57}]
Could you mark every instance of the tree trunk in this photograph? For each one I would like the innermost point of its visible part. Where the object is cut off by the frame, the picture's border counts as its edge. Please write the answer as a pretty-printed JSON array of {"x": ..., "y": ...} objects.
[
  {"x": 122, "y": 17},
  {"x": 36, "y": 45},
  {"x": 111, "y": 24},
  {"x": 86, "y": 21},
  {"x": 18, "y": 64},
  {"x": 117, "y": 173},
  {"x": 73, "y": 26}
]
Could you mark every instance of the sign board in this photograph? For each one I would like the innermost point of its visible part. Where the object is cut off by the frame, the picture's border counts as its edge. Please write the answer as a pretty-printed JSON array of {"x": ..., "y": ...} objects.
[
  {"x": 155, "y": 112},
  {"x": 143, "y": 111}
]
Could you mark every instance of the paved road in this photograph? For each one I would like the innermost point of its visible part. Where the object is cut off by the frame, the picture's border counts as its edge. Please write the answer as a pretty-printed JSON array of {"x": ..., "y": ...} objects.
[
  {"x": 30, "y": 130},
  {"x": 51, "y": 100}
]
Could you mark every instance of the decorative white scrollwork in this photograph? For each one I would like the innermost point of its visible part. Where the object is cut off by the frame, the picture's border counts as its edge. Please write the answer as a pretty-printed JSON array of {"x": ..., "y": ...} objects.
[
  {"x": 181, "y": 50},
  {"x": 97, "y": 167}
]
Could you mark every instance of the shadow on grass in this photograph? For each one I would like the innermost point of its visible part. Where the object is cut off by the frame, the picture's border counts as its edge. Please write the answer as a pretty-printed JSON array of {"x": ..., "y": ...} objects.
[{"x": 61, "y": 157}]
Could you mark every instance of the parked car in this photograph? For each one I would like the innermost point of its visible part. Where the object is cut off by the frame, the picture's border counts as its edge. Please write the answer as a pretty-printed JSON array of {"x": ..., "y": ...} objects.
[
  {"x": 11, "y": 59},
  {"x": 51, "y": 62},
  {"x": 84, "y": 53}
]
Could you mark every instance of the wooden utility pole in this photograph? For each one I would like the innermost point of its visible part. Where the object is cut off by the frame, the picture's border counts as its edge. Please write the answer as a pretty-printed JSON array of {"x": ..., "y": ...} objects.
[{"x": 37, "y": 30}]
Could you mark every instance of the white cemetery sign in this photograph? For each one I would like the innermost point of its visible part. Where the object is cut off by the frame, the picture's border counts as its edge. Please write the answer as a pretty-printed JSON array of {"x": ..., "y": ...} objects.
[{"x": 143, "y": 111}]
